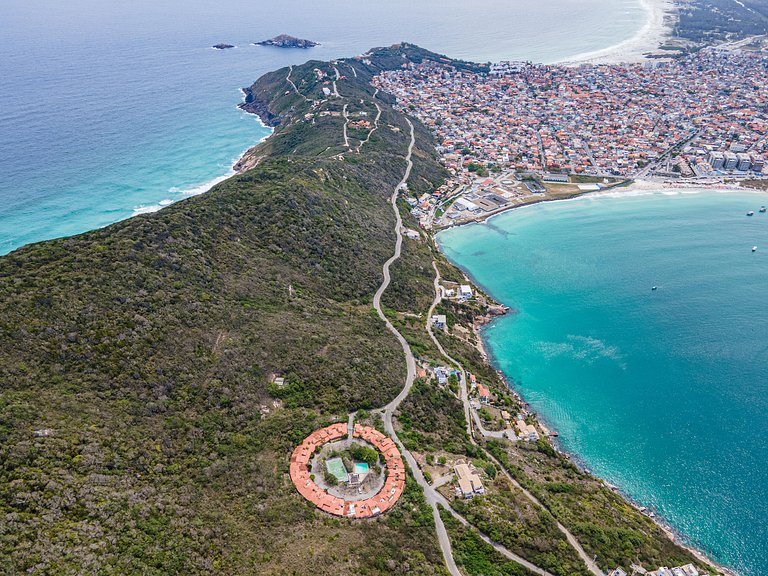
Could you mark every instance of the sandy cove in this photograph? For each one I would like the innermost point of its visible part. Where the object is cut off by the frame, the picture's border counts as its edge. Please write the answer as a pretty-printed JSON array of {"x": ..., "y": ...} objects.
[{"x": 660, "y": 19}]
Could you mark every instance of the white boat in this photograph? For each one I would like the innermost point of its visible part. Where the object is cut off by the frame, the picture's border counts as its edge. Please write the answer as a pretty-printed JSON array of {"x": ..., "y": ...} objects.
[
  {"x": 762, "y": 209},
  {"x": 751, "y": 213},
  {"x": 754, "y": 248}
]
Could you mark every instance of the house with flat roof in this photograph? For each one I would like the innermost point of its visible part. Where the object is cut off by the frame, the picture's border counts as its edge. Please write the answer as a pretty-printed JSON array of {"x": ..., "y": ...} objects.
[
  {"x": 469, "y": 482},
  {"x": 556, "y": 177},
  {"x": 465, "y": 292},
  {"x": 439, "y": 321}
]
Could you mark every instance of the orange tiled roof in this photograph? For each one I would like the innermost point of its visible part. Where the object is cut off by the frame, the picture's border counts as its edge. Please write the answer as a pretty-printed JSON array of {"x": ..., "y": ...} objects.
[{"x": 377, "y": 504}]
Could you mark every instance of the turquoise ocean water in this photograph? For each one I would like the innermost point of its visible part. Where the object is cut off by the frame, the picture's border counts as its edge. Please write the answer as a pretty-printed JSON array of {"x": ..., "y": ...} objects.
[
  {"x": 108, "y": 109},
  {"x": 663, "y": 393}
]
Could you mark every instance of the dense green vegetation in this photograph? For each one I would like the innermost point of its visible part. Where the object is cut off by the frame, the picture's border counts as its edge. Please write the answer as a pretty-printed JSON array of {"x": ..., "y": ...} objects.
[
  {"x": 147, "y": 349},
  {"x": 507, "y": 517},
  {"x": 607, "y": 526},
  {"x": 142, "y": 432},
  {"x": 432, "y": 419},
  {"x": 474, "y": 555}
]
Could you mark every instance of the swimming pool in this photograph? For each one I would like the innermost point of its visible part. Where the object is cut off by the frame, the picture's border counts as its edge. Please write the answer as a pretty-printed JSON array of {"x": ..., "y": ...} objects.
[{"x": 361, "y": 468}]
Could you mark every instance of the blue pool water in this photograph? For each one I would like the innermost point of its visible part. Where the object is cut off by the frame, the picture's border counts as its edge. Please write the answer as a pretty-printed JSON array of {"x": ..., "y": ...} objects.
[{"x": 361, "y": 468}]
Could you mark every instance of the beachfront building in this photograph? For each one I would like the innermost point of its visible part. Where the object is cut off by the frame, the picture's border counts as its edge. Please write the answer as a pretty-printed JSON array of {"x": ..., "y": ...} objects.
[
  {"x": 526, "y": 431},
  {"x": 716, "y": 160},
  {"x": 465, "y": 292},
  {"x": 556, "y": 177},
  {"x": 744, "y": 161}
]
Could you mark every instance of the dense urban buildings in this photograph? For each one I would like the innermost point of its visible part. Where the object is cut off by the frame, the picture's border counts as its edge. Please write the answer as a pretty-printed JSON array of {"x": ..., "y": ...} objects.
[{"x": 702, "y": 116}]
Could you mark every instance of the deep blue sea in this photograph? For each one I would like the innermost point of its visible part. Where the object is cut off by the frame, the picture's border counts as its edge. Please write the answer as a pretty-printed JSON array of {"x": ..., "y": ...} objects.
[
  {"x": 109, "y": 109},
  {"x": 664, "y": 393}
]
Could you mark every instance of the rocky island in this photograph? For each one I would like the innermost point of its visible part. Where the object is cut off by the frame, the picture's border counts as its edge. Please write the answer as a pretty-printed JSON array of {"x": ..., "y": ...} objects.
[
  {"x": 286, "y": 41},
  {"x": 222, "y": 46}
]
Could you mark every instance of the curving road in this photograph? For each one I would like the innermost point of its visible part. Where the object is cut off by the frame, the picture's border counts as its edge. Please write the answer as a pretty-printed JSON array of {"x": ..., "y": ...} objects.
[
  {"x": 432, "y": 497},
  {"x": 375, "y": 127},
  {"x": 588, "y": 561},
  {"x": 346, "y": 121},
  {"x": 389, "y": 409},
  {"x": 295, "y": 89},
  {"x": 463, "y": 384}
]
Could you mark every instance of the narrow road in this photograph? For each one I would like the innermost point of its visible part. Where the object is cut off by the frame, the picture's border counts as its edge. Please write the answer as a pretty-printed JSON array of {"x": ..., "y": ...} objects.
[
  {"x": 586, "y": 558},
  {"x": 464, "y": 394},
  {"x": 432, "y": 497},
  {"x": 588, "y": 561},
  {"x": 498, "y": 547},
  {"x": 351, "y": 425},
  {"x": 346, "y": 120},
  {"x": 375, "y": 127},
  {"x": 463, "y": 384},
  {"x": 338, "y": 77},
  {"x": 389, "y": 409},
  {"x": 288, "y": 78}
]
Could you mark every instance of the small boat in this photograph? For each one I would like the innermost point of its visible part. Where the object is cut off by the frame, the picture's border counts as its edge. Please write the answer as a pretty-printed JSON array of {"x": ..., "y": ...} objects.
[
  {"x": 655, "y": 288},
  {"x": 762, "y": 209},
  {"x": 754, "y": 248},
  {"x": 751, "y": 213}
]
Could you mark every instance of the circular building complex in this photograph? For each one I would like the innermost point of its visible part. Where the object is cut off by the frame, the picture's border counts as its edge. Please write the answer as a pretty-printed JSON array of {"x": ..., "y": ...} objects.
[{"x": 347, "y": 485}]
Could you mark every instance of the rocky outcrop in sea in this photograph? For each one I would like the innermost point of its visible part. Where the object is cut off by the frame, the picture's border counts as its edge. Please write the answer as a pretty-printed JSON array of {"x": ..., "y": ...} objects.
[{"x": 286, "y": 41}]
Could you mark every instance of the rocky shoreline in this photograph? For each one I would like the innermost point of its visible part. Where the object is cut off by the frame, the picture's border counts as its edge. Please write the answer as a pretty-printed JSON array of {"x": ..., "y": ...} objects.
[{"x": 253, "y": 105}]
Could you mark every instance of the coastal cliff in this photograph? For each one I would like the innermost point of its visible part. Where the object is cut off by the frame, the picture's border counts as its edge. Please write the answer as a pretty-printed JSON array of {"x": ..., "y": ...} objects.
[
  {"x": 143, "y": 431},
  {"x": 140, "y": 430}
]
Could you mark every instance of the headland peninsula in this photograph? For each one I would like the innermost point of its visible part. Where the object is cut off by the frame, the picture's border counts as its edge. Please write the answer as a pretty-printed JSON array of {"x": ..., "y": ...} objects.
[{"x": 160, "y": 372}]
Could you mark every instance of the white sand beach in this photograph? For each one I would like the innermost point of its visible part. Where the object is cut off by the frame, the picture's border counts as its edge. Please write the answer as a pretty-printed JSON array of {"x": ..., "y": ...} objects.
[{"x": 657, "y": 28}]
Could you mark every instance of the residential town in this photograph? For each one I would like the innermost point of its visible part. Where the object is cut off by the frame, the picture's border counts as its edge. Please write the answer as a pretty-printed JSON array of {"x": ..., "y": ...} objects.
[{"x": 505, "y": 134}]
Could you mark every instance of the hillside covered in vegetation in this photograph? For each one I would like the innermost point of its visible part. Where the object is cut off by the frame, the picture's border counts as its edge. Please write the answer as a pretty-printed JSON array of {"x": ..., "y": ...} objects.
[
  {"x": 139, "y": 431},
  {"x": 141, "y": 427}
]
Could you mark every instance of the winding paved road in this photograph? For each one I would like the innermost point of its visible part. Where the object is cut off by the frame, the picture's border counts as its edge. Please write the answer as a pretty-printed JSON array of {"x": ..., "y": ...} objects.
[
  {"x": 389, "y": 409},
  {"x": 432, "y": 497},
  {"x": 346, "y": 120},
  {"x": 288, "y": 78},
  {"x": 463, "y": 384},
  {"x": 588, "y": 561},
  {"x": 375, "y": 127}
]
